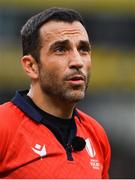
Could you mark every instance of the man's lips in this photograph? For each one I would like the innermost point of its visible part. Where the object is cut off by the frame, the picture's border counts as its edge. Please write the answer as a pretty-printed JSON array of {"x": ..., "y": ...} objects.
[{"x": 76, "y": 79}]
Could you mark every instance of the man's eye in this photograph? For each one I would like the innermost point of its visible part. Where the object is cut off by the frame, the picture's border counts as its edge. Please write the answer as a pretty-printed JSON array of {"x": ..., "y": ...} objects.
[
  {"x": 60, "y": 49},
  {"x": 84, "y": 51}
]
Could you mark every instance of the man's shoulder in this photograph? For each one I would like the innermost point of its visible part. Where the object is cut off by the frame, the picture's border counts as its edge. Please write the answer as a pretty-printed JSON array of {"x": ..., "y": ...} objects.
[
  {"x": 5, "y": 106},
  {"x": 93, "y": 124},
  {"x": 89, "y": 119},
  {"x": 7, "y": 109},
  {"x": 8, "y": 115}
]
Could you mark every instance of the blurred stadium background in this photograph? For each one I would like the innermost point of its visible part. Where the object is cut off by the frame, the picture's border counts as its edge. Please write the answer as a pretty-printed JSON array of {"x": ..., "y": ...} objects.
[{"x": 111, "y": 95}]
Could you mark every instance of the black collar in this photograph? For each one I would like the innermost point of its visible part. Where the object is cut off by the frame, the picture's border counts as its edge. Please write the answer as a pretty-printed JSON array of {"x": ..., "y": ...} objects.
[{"x": 30, "y": 110}]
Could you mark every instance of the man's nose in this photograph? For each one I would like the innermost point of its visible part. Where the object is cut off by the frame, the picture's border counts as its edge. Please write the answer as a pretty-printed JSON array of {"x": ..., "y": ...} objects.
[{"x": 75, "y": 60}]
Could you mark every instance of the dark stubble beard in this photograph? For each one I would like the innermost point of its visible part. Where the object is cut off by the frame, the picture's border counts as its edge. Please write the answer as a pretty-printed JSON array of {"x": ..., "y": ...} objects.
[{"x": 51, "y": 86}]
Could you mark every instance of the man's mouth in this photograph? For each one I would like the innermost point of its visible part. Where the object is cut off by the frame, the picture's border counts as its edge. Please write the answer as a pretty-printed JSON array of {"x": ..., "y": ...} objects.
[{"x": 76, "y": 80}]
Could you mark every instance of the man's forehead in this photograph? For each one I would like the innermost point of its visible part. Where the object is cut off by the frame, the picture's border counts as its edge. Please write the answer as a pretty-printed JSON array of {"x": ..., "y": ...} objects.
[{"x": 61, "y": 30}]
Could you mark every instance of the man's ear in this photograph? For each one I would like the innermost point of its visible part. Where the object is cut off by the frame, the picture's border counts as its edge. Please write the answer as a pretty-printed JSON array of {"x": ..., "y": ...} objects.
[{"x": 30, "y": 66}]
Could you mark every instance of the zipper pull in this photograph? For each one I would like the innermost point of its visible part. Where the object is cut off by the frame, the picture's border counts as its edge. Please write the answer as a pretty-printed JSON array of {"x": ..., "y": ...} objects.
[{"x": 69, "y": 152}]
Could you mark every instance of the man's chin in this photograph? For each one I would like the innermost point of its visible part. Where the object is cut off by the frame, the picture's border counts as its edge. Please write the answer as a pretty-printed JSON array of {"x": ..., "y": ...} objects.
[{"x": 75, "y": 97}]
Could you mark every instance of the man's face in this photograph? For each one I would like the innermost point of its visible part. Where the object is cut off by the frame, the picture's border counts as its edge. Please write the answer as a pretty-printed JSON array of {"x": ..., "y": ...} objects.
[{"x": 65, "y": 60}]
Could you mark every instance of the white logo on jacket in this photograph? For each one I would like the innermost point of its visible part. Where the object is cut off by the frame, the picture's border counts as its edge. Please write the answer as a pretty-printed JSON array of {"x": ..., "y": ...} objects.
[
  {"x": 40, "y": 150},
  {"x": 94, "y": 163},
  {"x": 90, "y": 148}
]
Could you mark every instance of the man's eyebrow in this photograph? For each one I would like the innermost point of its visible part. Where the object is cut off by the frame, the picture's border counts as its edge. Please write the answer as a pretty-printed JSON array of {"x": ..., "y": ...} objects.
[
  {"x": 85, "y": 44},
  {"x": 59, "y": 43},
  {"x": 82, "y": 43}
]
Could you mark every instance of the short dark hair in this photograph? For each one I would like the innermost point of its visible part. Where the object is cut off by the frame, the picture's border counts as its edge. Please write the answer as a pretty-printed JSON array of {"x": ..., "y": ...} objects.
[{"x": 31, "y": 42}]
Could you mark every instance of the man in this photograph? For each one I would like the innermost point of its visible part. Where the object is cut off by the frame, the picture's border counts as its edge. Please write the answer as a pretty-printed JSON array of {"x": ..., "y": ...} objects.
[{"x": 43, "y": 134}]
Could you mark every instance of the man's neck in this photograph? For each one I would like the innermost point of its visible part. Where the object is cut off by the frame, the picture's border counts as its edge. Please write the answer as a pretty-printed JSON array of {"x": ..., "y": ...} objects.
[{"x": 51, "y": 105}]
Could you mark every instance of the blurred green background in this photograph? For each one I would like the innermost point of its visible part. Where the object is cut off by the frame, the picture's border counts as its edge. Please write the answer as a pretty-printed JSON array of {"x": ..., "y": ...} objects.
[{"x": 111, "y": 94}]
